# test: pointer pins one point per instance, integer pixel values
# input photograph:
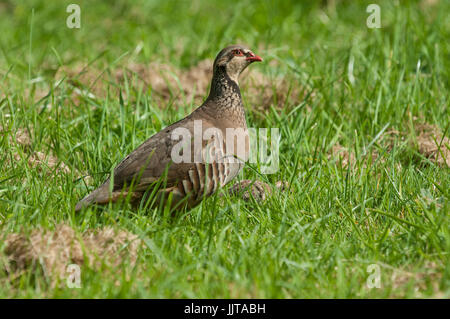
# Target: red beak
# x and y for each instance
(254, 58)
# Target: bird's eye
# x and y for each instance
(238, 52)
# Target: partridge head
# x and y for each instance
(234, 59)
(173, 167)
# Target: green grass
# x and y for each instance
(315, 241)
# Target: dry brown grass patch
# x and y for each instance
(171, 84)
(37, 160)
(167, 81)
(40, 160)
(428, 3)
(192, 84)
(342, 154)
(20, 136)
(432, 144)
(428, 141)
(402, 278)
(54, 250)
(85, 79)
(264, 91)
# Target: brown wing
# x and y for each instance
(147, 164)
(151, 160)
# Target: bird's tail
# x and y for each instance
(98, 196)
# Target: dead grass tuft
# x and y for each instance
(346, 157)
(54, 250)
(192, 84)
(21, 136)
(39, 161)
(401, 278)
(171, 84)
(263, 91)
(428, 3)
(432, 144)
(166, 81)
(342, 154)
(83, 76)
(428, 141)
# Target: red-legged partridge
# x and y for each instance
(203, 170)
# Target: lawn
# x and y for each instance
(364, 149)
